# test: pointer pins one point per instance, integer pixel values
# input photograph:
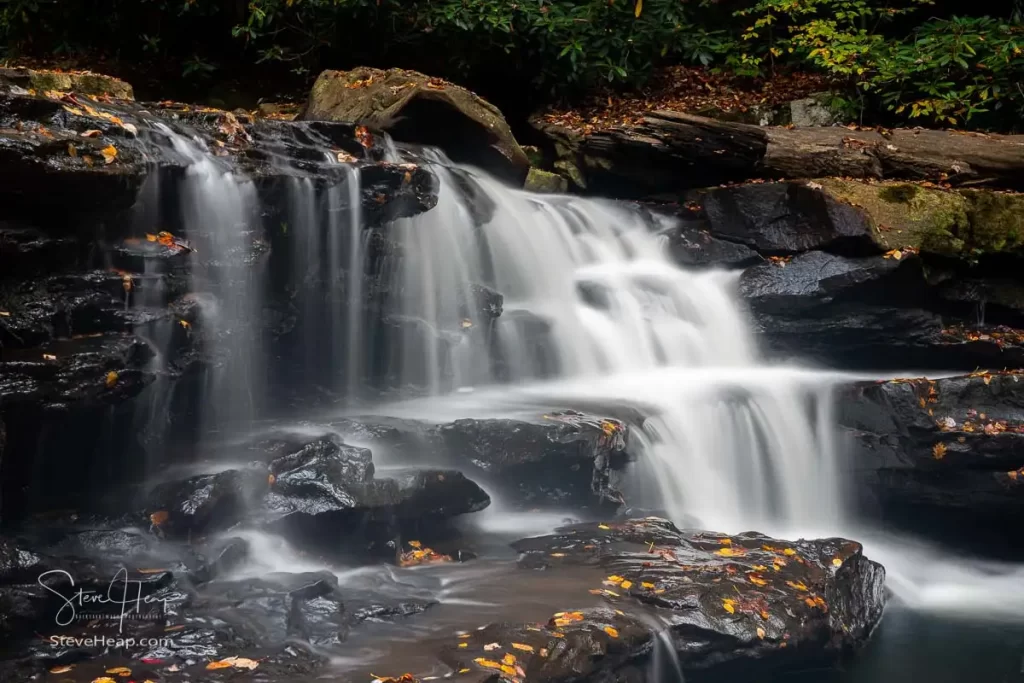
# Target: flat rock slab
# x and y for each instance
(729, 603)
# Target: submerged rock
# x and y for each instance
(742, 605)
(413, 107)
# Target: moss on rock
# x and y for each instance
(904, 215)
(82, 82)
(545, 182)
(997, 221)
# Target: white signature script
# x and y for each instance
(121, 591)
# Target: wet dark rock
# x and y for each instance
(17, 563)
(948, 450)
(561, 459)
(785, 218)
(415, 108)
(863, 313)
(323, 490)
(741, 605)
(692, 245)
(43, 146)
(206, 502)
(72, 372)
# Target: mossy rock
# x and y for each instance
(545, 182)
(413, 107)
(997, 221)
(906, 215)
(82, 82)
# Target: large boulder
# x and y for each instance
(740, 605)
(413, 107)
(949, 451)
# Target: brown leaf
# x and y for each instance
(159, 517)
(91, 133)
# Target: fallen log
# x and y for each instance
(671, 151)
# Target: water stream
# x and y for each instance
(594, 312)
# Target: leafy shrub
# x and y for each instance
(953, 70)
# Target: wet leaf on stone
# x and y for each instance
(488, 663)
(49, 356)
(62, 669)
(91, 133)
(626, 585)
(159, 517)
(72, 150)
(729, 605)
(604, 526)
(103, 679)
(109, 154)
(939, 451)
(757, 580)
(120, 671)
(523, 647)
(463, 644)
(612, 631)
(730, 552)
(837, 562)
(647, 585)
(111, 379)
(798, 585)
(760, 633)
(509, 659)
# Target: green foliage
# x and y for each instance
(962, 70)
(953, 71)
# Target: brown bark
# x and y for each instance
(672, 151)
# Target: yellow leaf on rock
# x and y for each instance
(510, 670)
(939, 451)
(103, 679)
(615, 579)
(612, 631)
(729, 552)
(757, 580)
(120, 671)
(72, 150)
(509, 659)
(521, 646)
(62, 669)
(729, 605)
(798, 585)
(603, 526)
(487, 663)
(625, 585)
(109, 154)
(725, 541)
(111, 379)
(760, 633)
(789, 551)
(647, 585)
(463, 644)
(222, 664)
(415, 544)
(836, 562)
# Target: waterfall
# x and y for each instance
(593, 305)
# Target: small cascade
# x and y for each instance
(219, 210)
(592, 304)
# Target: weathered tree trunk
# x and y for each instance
(671, 151)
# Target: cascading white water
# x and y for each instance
(221, 207)
(728, 442)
